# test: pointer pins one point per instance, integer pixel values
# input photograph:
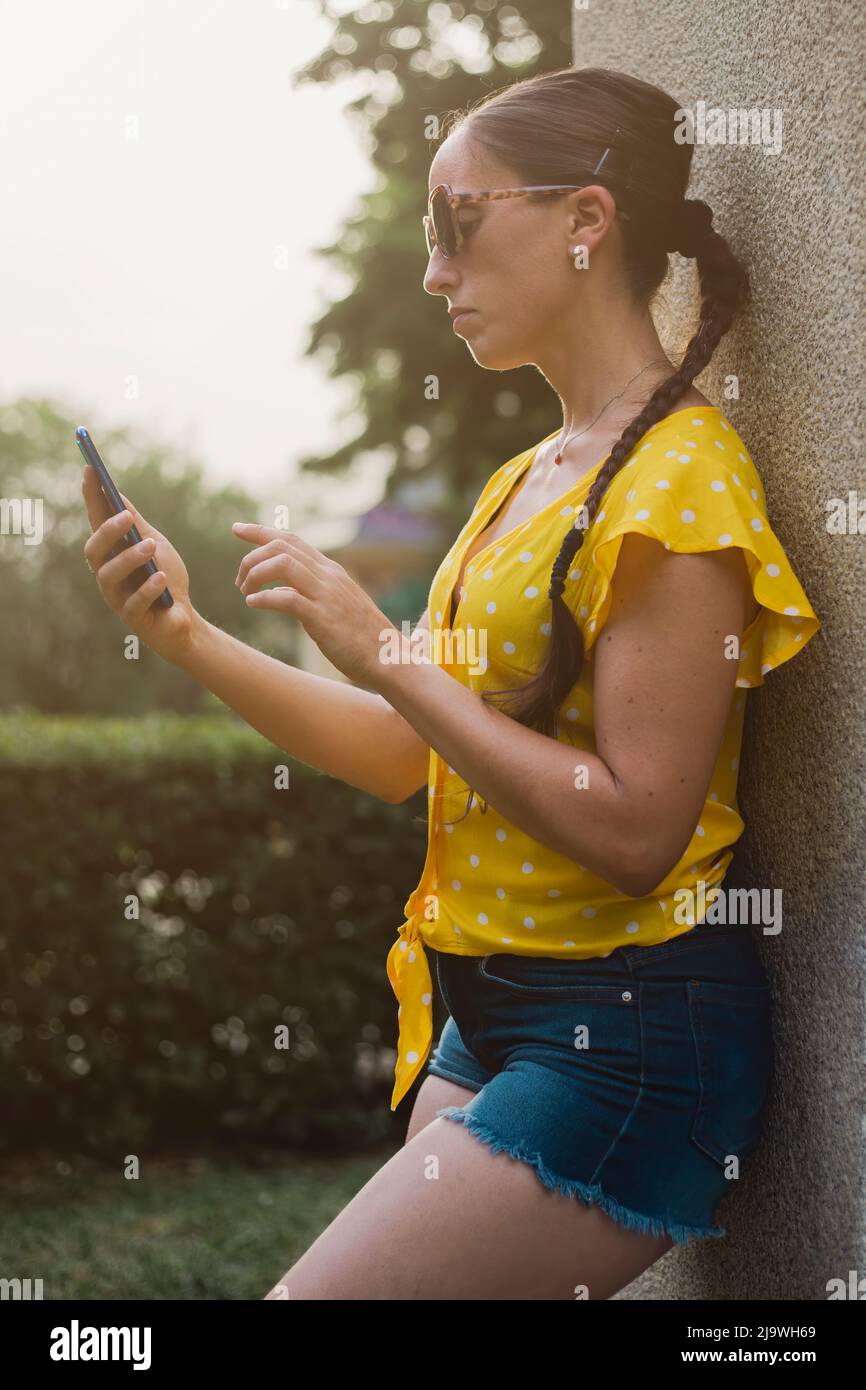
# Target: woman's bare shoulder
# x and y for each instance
(691, 397)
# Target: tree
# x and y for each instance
(386, 332)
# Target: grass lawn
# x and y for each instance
(208, 1227)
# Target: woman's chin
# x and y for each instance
(482, 344)
(495, 357)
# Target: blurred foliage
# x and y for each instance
(63, 651)
(158, 1029)
(422, 60)
(408, 599)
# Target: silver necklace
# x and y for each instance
(561, 449)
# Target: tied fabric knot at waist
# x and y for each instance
(409, 973)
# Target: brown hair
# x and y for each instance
(554, 128)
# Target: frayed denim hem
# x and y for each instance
(573, 1187)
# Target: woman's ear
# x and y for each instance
(591, 212)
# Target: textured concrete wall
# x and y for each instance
(796, 1217)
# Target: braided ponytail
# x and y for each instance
(548, 128)
(724, 286)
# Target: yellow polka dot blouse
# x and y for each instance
(487, 886)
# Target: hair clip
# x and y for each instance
(622, 161)
(601, 161)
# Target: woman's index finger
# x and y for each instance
(255, 534)
(252, 531)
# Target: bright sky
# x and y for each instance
(154, 160)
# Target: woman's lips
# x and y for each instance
(461, 318)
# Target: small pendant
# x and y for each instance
(558, 458)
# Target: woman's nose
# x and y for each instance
(438, 276)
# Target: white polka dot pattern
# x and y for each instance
(499, 889)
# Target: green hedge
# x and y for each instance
(259, 907)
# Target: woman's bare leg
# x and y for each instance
(433, 1094)
(445, 1218)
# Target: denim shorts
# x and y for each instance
(636, 1081)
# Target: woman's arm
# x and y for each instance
(663, 685)
(349, 733)
(345, 731)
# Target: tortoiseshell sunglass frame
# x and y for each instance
(455, 200)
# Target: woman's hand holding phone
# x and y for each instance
(168, 631)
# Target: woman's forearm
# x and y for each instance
(529, 779)
(344, 731)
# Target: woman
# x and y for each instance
(606, 1061)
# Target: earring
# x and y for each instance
(579, 255)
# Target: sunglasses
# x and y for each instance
(441, 225)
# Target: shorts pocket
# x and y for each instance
(733, 1040)
(561, 979)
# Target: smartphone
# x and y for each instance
(115, 502)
